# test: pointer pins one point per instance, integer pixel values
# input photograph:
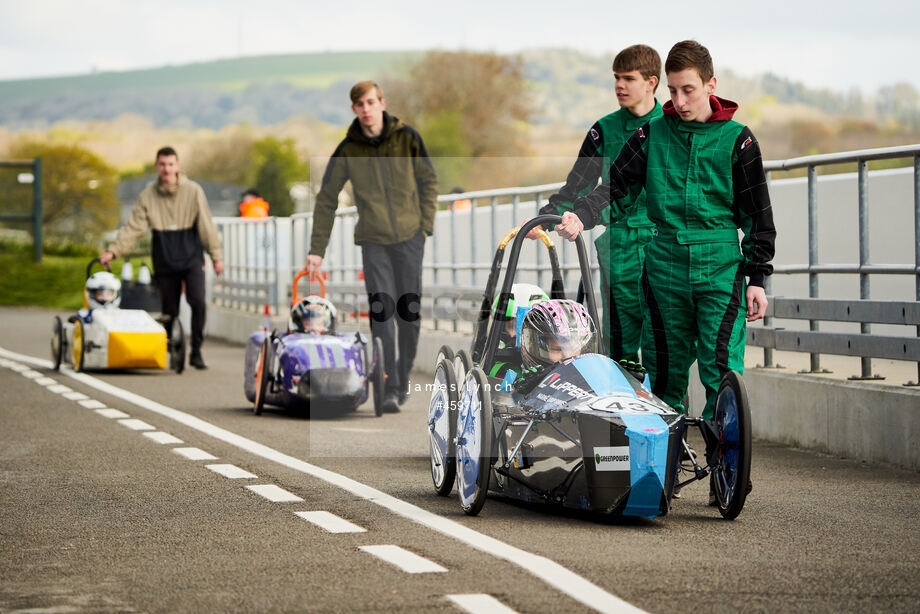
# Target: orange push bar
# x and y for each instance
(313, 277)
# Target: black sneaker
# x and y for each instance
(391, 403)
(197, 361)
(403, 395)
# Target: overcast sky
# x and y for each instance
(828, 44)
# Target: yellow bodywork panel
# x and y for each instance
(137, 349)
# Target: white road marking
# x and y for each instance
(273, 493)
(45, 381)
(231, 471)
(75, 396)
(92, 404)
(60, 388)
(409, 562)
(480, 604)
(112, 413)
(547, 570)
(31, 373)
(137, 425)
(19, 368)
(194, 454)
(331, 522)
(161, 437)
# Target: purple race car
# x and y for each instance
(310, 364)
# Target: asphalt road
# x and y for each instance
(96, 516)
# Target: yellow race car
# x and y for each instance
(104, 336)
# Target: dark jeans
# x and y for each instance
(170, 285)
(393, 279)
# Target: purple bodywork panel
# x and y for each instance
(309, 368)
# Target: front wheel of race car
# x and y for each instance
(79, 345)
(474, 442)
(57, 343)
(262, 376)
(442, 428)
(444, 352)
(462, 364)
(379, 376)
(176, 346)
(731, 469)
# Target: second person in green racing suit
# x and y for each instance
(620, 249)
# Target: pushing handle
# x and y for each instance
(313, 277)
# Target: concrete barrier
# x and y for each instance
(860, 420)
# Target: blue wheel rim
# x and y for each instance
(469, 439)
(726, 472)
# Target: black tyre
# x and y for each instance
(731, 469)
(474, 442)
(176, 346)
(379, 372)
(79, 345)
(462, 365)
(442, 428)
(57, 343)
(444, 352)
(262, 377)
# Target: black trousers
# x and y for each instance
(393, 279)
(170, 285)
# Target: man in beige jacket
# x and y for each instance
(175, 210)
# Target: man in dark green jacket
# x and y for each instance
(704, 180)
(621, 248)
(395, 192)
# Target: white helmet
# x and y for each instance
(312, 313)
(103, 291)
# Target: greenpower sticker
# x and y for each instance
(614, 458)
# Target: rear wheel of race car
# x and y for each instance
(79, 345)
(731, 470)
(442, 428)
(57, 343)
(474, 441)
(176, 346)
(262, 376)
(379, 376)
(444, 352)
(462, 365)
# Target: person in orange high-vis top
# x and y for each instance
(253, 205)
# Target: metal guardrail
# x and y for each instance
(471, 223)
(863, 268)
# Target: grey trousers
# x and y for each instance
(393, 279)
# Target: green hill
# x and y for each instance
(569, 88)
(317, 70)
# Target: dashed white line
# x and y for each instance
(60, 388)
(194, 454)
(274, 493)
(137, 425)
(480, 604)
(92, 404)
(75, 396)
(161, 437)
(231, 471)
(45, 381)
(547, 570)
(18, 367)
(31, 373)
(331, 522)
(112, 413)
(409, 562)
